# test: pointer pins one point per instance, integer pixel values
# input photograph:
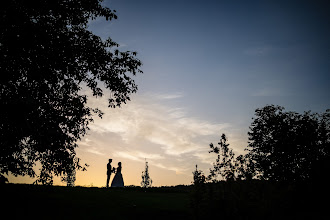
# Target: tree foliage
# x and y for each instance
(47, 55)
(283, 146)
(70, 176)
(288, 146)
(227, 165)
(199, 177)
(146, 180)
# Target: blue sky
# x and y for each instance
(229, 55)
(207, 66)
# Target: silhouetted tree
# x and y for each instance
(198, 195)
(225, 164)
(199, 177)
(47, 57)
(229, 166)
(70, 177)
(289, 146)
(146, 180)
(245, 168)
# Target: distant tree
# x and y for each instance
(198, 176)
(47, 55)
(288, 146)
(146, 180)
(227, 165)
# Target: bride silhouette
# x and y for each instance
(118, 179)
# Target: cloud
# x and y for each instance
(178, 170)
(127, 155)
(152, 121)
(137, 155)
(206, 158)
(94, 151)
(166, 96)
(169, 128)
(176, 112)
(152, 158)
(89, 146)
(152, 127)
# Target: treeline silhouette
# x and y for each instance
(283, 175)
(283, 146)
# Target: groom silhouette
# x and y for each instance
(109, 171)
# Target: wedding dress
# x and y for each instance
(118, 179)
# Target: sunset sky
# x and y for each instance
(207, 66)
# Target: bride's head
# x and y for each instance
(119, 164)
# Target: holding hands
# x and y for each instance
(117, 181)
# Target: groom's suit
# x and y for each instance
(109, 171)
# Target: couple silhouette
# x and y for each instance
(117, 181)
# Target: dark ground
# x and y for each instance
(58, 202)
(224, 200)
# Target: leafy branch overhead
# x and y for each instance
(47, 56)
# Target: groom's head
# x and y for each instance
(110, 160)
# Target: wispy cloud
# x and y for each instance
(178, 170)
(176, 112)
(162, 96)
(89, 146)
(169, 128)
(152, 128)
(138, 155)
(94, 151)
